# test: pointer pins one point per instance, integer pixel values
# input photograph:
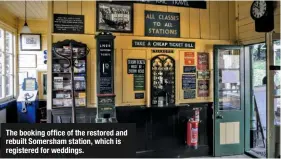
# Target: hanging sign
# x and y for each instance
(139, 95)
(136, 66)
(203, 74)
(67, 23)
(163, 44)
(139, 82)
(189, 69)
(162, 51)
(179, 3)
(202, 61)
(203, 88)
(188, 81)
(105, 53)
(189, 94)
(162, 24)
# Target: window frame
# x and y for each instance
(12, 68)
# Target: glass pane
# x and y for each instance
(8, 42)
(1, 64)
(277, 48)
(1, 40)
(1, 86)
(229, 79)
(9, 64)
(9, 85)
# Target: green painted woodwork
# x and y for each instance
(228, 115)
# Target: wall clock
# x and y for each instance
(258, 9)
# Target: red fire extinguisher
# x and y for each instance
(192, 133)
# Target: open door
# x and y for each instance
(228, 100)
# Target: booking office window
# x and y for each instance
(7, 55)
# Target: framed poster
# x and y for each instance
(188, 81)
(30, 42)
(203, 88)
(189, 94)
(203, 74)
(202, 61)
(115, 17)
(27, 61)
(189, 58)
(139, 82)
(189, 69)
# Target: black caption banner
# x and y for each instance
(68, 140)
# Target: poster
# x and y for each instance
(189, 94)
(202, 61)
(189, 58)
(203, 74)
(139, 82)
(203, 88)
(188, 81)
(189, 69)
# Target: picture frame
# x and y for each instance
(30, 42)
(27, 60)
(108, 22)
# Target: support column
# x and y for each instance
(270, 128)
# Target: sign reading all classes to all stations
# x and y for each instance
(136, 66)
(162, 24)
(163, 44)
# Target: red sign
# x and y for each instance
(189, 61)
(189, 55)
(202, 61)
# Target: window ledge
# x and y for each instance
(6, 103)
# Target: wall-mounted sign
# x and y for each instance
(178, 3)
(163, 44)
(139, 95)
(189, 69)
(188, 81)
(67, 23)
(202, 61)
(189, 58)
(162, 24)
(139, 82)
(203, 88)
(203, 74)
(136, 66)
(189, 94)
(105, 53)
(162, 51)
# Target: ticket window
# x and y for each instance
(162, 81)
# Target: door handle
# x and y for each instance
(219, 117)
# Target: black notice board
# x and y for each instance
(67, 23)
(179, 3)
(163, 44)
(162, 24)
(136, 66)
(105, 53)
(139, 95)
(188, 81)
(189, 94)
(189, 69)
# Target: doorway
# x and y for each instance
(228, 100)
(162, 81)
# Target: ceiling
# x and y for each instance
(36, 9)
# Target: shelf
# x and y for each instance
(61, 72)
(61, 89)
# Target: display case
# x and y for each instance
(69, 63)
